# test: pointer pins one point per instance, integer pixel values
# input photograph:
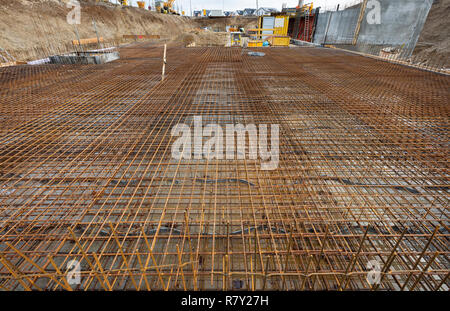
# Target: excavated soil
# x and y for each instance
(34, 29)
(434, 41)
(31, 29)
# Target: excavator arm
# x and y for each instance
(169, 6)
(170, 3)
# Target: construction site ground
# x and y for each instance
(87, 173)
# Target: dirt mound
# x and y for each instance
(32, 29)
(434, 42)
(204, 38)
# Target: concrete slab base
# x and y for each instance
(85, 58)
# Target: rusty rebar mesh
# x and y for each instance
(87, 174)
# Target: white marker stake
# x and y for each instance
(164, 63)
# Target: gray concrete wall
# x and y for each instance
(341, 26)
(321, 27)
(401, 24)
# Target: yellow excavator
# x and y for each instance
(165, 7)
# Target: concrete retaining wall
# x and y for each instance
(337, 27)
(401, 24)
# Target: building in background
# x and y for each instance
(265, 11)
(289, 11)
(249, 12)
(215, 13)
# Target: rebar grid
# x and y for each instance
(87, 174)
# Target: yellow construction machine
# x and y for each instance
(305, 8)
(165, 7)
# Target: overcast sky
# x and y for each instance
(232, 5)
